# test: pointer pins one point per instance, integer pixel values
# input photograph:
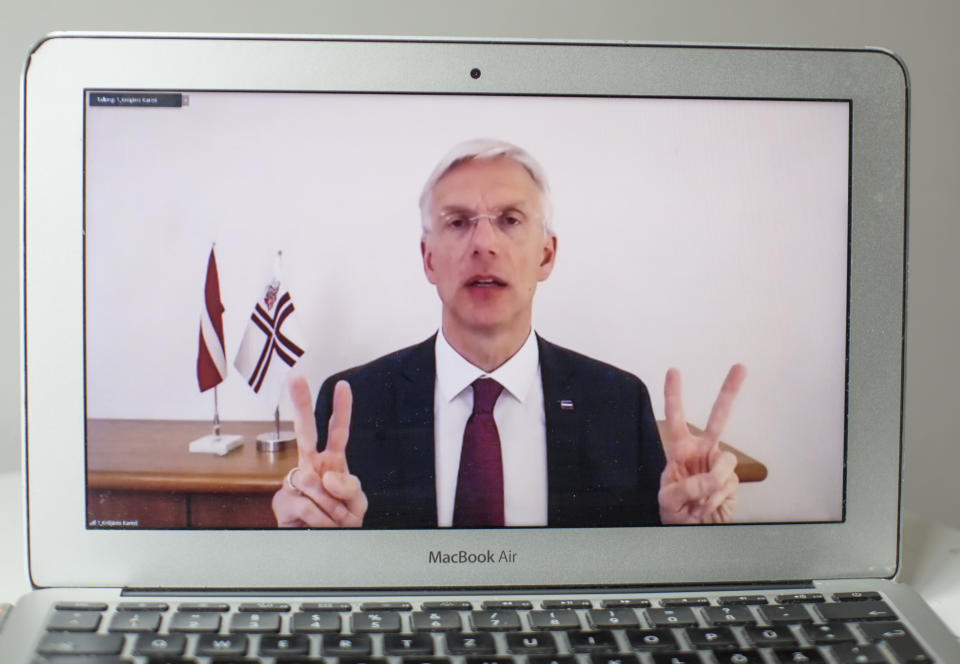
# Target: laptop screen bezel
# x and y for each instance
(61, 68)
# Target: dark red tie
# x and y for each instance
(479, 500)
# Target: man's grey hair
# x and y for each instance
(486, 148)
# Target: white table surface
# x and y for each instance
(931, 555)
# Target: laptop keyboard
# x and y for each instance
(846, 628)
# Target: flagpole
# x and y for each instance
(216, 413)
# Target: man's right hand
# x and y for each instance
(323, 493)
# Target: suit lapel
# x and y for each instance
(564, 421)
(413, 396)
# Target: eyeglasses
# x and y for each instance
(462, 224)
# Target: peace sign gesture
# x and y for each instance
(320, 492)
(698, 484)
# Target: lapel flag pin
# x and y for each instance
(566, 404)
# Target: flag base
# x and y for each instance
(275, 441)
(214, 444)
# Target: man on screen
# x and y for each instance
(486, 424)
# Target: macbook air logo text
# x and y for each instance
(470, 557)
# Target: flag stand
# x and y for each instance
(215, 443)
(276, 440)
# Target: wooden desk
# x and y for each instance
(141, 471)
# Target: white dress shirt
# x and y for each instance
(521, 424)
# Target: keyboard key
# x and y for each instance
(310, 607)
(609, 618)
(222, 645)
(320, 621)
(447, 605)
(215, 607)
(375, 621)
(739, 657)
(712, 638)
(559, 619)
(354, 660)
(729, 615)
(81, 606)
(195, 622)
(276, 646)
(824, 635)
(134, 621)
(541, 643)
(798, 656)
(652, 639)
(598, 658)
(800, 598)
(680, 617)
(490, 660)
(856, 611)
(386, 606)
(898, 639)
(778, 614)
(880, 631)
(80, 644)
(143, 606)
(676, 658)
(907, 649)
(671, 602)
(566, 604)
(426, 660)
(346, 646)
(73, 621)
(495, 621)
(153, 645)
(594, 641)
(265, 607)
(771, 637)
(732, 600)
(255, 623)
(408, 644)
(435, 621)
(95, 659)
(470, 644)
(518, 604)
(551, 659)
(857, 596)
(626, 603)
(849, 653)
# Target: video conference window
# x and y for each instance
(420, 311)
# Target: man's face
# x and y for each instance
(485, 248)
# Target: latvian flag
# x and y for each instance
(272, 342)
(211, 358)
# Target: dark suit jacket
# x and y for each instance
(604, 457)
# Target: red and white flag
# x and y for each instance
(211, 357)
(272, 342)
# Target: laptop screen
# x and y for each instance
(238, 242)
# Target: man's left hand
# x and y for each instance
(698, 484)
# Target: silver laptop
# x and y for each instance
(422, 351)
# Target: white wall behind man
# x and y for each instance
(922, 33)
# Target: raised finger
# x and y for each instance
(724, 403)
(304, 423)
(677, 429)
(338, 427)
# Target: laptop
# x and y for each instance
(192, 202)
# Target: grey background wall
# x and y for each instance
(923, 33)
